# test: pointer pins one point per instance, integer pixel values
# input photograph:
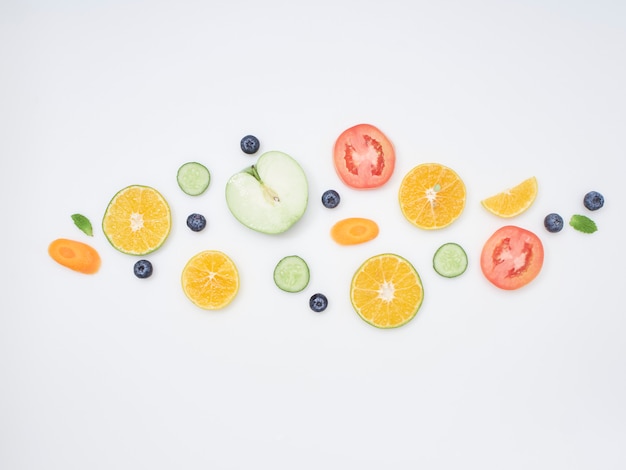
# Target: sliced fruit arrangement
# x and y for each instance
(512, 201)
(386, 291)
(210, 280)
(511, 257)
(354, 230)
(291, 274)
(432, 196)
(271, 195)
(75, 255)
(450, 260)
(137, 220)
(193, 178)
(364, 157)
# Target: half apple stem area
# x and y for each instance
(268, 193)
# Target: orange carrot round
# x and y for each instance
(75, 255)
(354, 230)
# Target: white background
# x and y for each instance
(109, 371)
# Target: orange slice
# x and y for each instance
(386, 291)
(210, 280)
(137, 220)
(513, 201)
(432, 196)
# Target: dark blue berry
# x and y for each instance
(593, 200)
(318, 302)
(250, 144)
(553, 223)
(143, 269)
(330, 199)
(196, 222)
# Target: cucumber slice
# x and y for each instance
(291, 274)
(193, 178)
(450, 260)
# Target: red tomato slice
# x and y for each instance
(364, 157)
(512, 257)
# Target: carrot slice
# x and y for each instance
(354, 230)
(75, 255)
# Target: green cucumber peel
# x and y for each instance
(450, 260)
(291, 274)
(193, 178)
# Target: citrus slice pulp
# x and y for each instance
(137, 220)
(431, 196)
(386, 291)
(210, 280)
(513, 201)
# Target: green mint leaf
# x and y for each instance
(582, 223)
(83, 223)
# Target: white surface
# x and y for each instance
(109, 371)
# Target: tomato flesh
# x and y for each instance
(364, 157)
(511, 257)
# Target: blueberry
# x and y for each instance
(143, 269)
(318, 302)
(593, 200)
(330, 198)
(553, 223)
(196, 222)
(250, 144)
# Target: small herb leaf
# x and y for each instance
(583, 223)
(83, 223)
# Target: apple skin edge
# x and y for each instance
(269, 196)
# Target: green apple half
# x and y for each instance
(271, 195)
